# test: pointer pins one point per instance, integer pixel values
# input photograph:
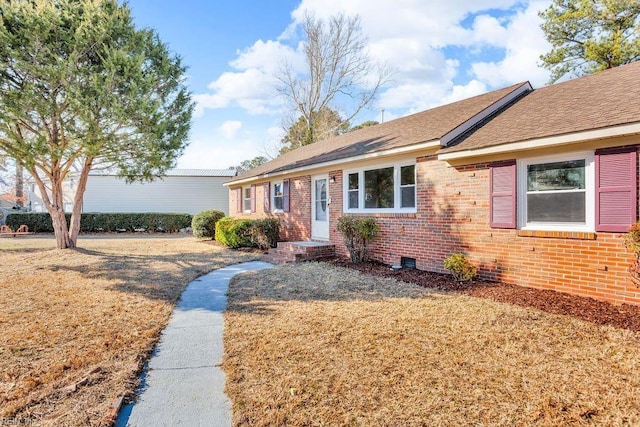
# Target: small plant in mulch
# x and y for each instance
(357, 233)
(460, 267)
(632, 242)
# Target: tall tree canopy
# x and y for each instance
(246, 165)
(363, 125)
(324, 124)
(81, 87)
(338, 69)
(587, 36)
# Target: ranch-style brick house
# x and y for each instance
(536, 187)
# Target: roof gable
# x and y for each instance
(431, 125)
(602, 100)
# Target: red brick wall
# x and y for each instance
(453, 216)
(295, 224)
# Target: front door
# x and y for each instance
(320, 207)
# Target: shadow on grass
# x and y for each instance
(154, 276)
(260, 292)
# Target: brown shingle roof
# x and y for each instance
(601, 100)
(430, 125)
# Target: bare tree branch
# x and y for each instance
(338, 66)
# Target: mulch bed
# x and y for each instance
(599, 312)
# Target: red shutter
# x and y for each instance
(238, 200)
(285, 195)
(267, 197)
(502, 206)
(616, 189)
(253, 197)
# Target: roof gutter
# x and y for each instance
(551, 141)
(386, 153)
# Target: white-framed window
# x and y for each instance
(277, 197)
(384, 188)
(246, 199)
(557, 192)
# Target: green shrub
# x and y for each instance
(248, 233)
(37, 222)
(357, 233)
(264, 233)
(105, 222)
(460, 267)
(204, 223)
(233, 232)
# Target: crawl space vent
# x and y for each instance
(407, 262)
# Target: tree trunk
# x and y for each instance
(54, 203)
(19, 185)
(77, 201)
(60, 229)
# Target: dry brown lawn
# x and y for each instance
(315, 344)
(75, 325)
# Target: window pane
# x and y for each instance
(556, 207)
(277, 202)
(408, 175)
(321, 189)
(247, 204)
(556, 176)
(408, 196)
(378, 188)
(353, 199)
(247, 193)
(277, 190)
(353, 181)
(321, 210)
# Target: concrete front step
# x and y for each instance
(289, 252)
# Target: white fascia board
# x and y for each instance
(482, 115)
(551, 141)
(380, 154)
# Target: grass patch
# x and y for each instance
(316, 344)
(77, 324)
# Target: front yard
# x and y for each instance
(323, 345)
(76, 324)
(304, 344)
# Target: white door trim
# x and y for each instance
(319, 228)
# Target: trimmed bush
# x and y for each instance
(105, 222)
(460, 267)
(233, 232)
(264, 233)
(204, 223)
(357, 233)
(248, 233)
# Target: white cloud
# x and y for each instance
(414, 37)
(488, 30)
(253, 85)
(434, 22)
(252, 89)
(230, 128)
(525, 43)
(211, 153)
(442, 51)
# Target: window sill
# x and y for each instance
(575, 235)
(374, 212)
(384, 214)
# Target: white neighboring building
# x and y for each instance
(179, 191)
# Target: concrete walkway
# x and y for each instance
(184, 384)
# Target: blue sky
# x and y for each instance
(441, 51)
